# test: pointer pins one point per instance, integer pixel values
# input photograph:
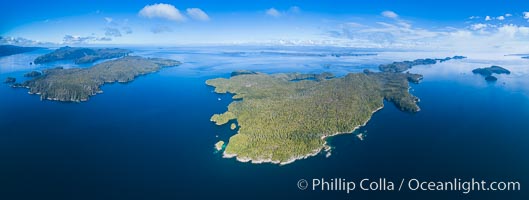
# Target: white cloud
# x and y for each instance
(501, 18)
(197, 14)
(389, 14)
(478, 26)
(474, 17)
(273, 12)
(526, 15)
(109, 19)
(162, 11)
(513, 31)
(508, 15)
(488, 18)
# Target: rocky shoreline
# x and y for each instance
(325, 147)
(79, 84)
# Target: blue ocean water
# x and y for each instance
(152, 138)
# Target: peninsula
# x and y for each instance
(405, 65)
(81, 55)
(78, 84)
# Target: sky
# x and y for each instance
(400, 24)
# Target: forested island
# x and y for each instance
(488, 72)
(290, 76)
(78, 84)
(219, 145)
(405, 65)
(10, 80)
(7, 50)
(81, 55)
(285, 117)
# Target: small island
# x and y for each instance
(7, 50)
(233, 126)
(32, 74)
(81, 55)
(451, 58)
(491, 78)
(10, 80)
(78, 84)
(361, 136)
(219, 145)
(489, 71)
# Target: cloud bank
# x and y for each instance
(70, 39)
(474, 37)
(20, 41)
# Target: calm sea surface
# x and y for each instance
(152, 138)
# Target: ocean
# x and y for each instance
(152, 138)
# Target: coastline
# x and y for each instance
(79, 91)
(324, 147)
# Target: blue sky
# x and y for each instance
(496, 24)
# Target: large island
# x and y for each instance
(78, 84)
(7, 50)
(81, 55)
(285, 117)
